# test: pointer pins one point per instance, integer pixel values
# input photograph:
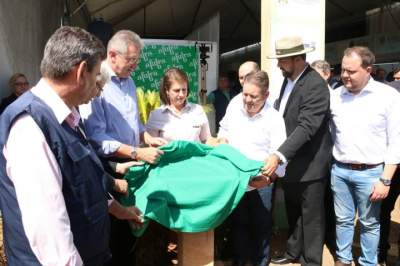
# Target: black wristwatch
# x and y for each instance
(385, 181)
(134, 153)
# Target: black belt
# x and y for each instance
(357, 166)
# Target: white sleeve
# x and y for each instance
(278, 136)
(224, 124)
(152, 127)
(205, 132)
(228, 118)
(33, 169)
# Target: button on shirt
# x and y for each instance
(112, 118)
(190, 124)
(256, 137)
(366, 126)
(44, 215)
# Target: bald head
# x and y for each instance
(246, 68)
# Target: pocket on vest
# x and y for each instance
(81, 161)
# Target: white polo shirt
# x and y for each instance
(190, 124)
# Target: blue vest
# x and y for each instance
(82, 187)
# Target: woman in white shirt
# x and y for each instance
(175, 119)
(178, 119)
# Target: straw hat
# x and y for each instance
(290, 46)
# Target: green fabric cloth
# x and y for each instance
(193, 188)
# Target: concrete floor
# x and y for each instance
(278, 243)
(327, 257)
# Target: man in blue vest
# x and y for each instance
(52, 185)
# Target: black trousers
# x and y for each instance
(122, 243)
(385, 219)
(252, 228)
(306, 218)
(330, 220)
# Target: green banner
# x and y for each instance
(157, 58)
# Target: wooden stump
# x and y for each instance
(196, 249)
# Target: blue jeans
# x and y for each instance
(252, 228)
(351, 192)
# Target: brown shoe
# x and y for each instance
(339, 263)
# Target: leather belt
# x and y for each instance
(357, 166)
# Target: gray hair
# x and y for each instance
(122, 39)
(258, 78)
(105, 75)
(322, 65)
(68, 47)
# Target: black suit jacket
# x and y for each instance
(308, 145)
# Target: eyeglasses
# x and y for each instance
(133, 60)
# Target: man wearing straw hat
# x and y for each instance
(304, 104)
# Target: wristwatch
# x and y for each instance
(134, 153)
(385, 181)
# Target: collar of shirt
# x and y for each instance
(73, 118)
(111, 74)
(369, 87)
(261, 113)
(51, 98)
(188, 106)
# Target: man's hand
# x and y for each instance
(222, 141)
(271, 163)
(121, 186)
(150, 155)
(379, 192)
(152, 141)
(131, 213)
(261, 181)
(211, 141)
(156, 141)
(122, 168)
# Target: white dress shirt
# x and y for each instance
(366, 126)
(256, 137)
(288, 90)
(190, 124)
(37, 178)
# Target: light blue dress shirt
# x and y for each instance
(112, 118)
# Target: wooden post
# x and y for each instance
(196, 249)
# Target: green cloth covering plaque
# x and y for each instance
(193, 188)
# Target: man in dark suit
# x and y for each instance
(304, 104)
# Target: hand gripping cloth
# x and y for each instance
(193, 188)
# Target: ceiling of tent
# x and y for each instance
(240, 19)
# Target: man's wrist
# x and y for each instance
(281, 157)
(385, 181)
(134, 153)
